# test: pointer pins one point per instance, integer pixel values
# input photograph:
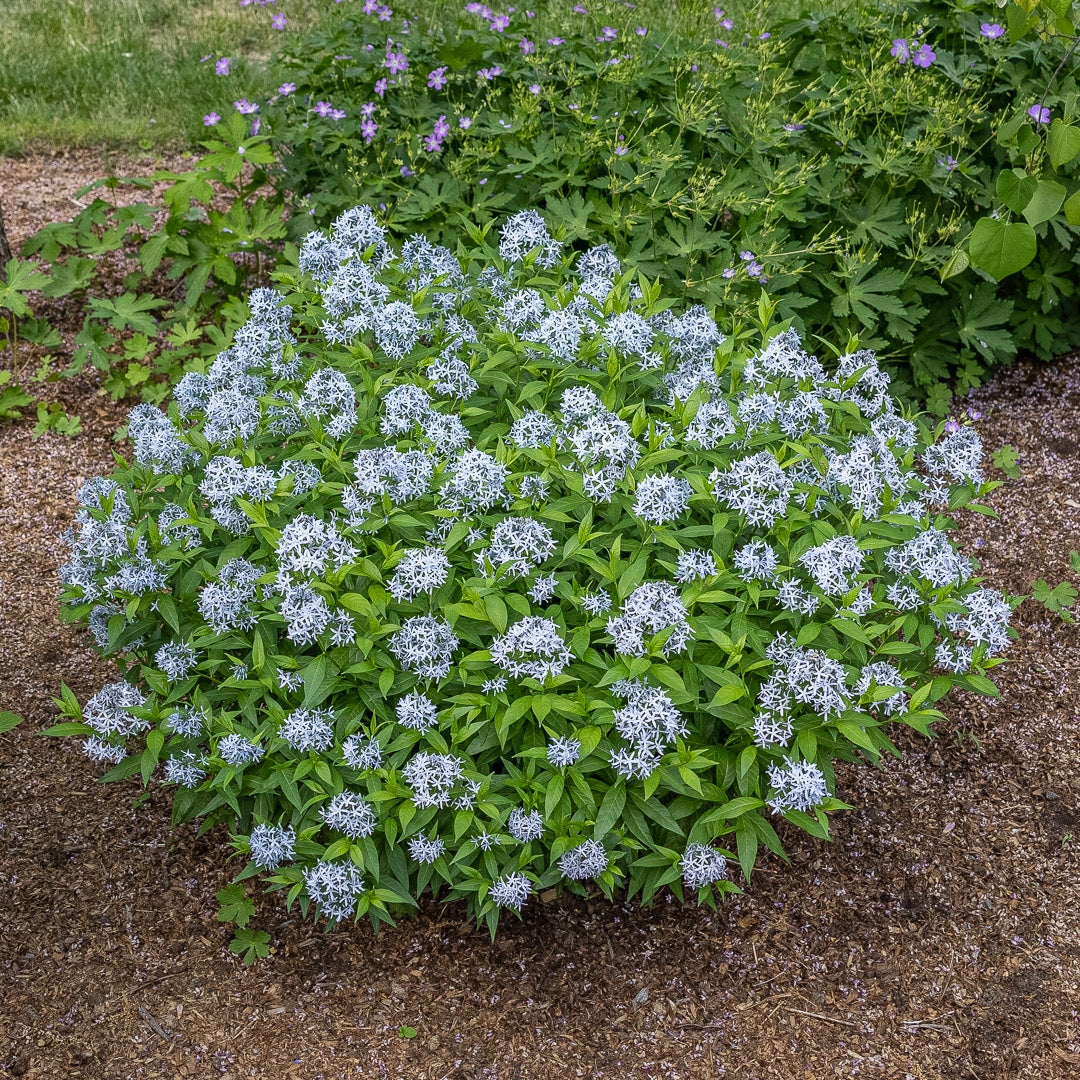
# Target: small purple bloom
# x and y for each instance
(499, 23)
(728, 272)
(406, 171)
(222, 66)
(367, 110)
(489, 74)
(527, 47)
(210, 119)
(323, 108)
(609, 33)
(278, 21)
(483, 181)
(793, 127)
(924, 56)
(465, 123)
(1039, 113)
(641, 31)
(395, 63)
(287, 88)
(991, 30)
(900, 50)
(535, 88)
(974, 414)
(368, 127)
(437, 79)
(580, 9)
(948, 162)
(952, 426)
(380, 87)
(245, 107)
(556, 40)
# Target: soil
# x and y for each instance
(937, 936)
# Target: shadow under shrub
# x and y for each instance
(489, 575)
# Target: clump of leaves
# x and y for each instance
(480, 576)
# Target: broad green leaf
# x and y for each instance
(1072, 208)
(1045, 203)
(1001, 248)
(9, 720)
(1062, 142)
(1015, 189)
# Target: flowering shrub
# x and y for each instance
(488, 575)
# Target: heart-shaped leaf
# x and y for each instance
(1045, 203)
(1015, 189)
(1063, 143)
(1001, 249)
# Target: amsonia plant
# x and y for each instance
(487, 573)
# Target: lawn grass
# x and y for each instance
(126, 73)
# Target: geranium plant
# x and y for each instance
(489, 572)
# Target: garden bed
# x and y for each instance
(936, 936)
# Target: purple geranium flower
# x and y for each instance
(499, 23)
(924, 56)
(222, 66)
(527, 47)
(1039, 113)
(395, 63)
(991, 30)
(278, 20)
(244, 106)
(380, 87)
(556, 40)
(437, 79)
(900, 50)
(609, 33)
(465, 123)
(210, 119)
(286, 88)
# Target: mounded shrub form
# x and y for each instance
(494, 572)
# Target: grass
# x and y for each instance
(126, 74)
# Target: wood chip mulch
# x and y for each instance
(937, 936)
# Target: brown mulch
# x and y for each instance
(937, 936)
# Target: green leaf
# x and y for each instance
(1015, 189)
(1062, 142)
(69, 729)
(406, 1032)
(955, 264)
(318, 678)
(1001, 249)
(9, 720)
(1045, 203)
(609, 811)
(234, 905)
(251, 944)
(1072, 208)
(1057, 598)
